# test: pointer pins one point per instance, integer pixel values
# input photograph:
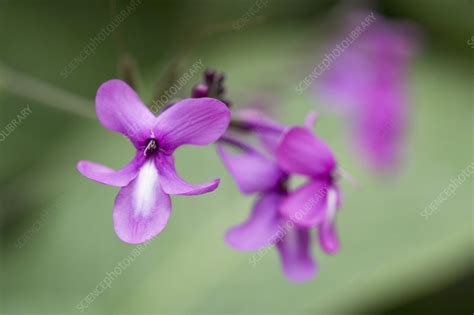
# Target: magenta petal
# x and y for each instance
(197, 121)
(252, 171)
(301, 152)
(108, 176)
(370, 79)
(307, 205)
(141, 209)
(328, 238)
(120, 109)
(344, 90)
(381, 125)
(261, 229)
(172, 184)
(269, 140)
(295, 255)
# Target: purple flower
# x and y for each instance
(143, 205)
(367, 81)
(315, 203)
(281, 218)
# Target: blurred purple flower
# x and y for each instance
(368, 82)
(315, 203)
(273, 220)
(143, 205)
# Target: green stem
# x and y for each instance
(25, 86)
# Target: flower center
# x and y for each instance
(151, 147)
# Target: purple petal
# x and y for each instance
(301, 152)
(342, 89)
(295, 255)
(380, 126)
(307, 205)
(108, 176)
(252, 171)
(197, 121)
(141, 209)
(269, 140)
(120, 109)
(172, 184)
(327, 231)
(261, 229)
(370, 80)
(379, 54)
(328, 238)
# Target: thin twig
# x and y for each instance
(26, 86)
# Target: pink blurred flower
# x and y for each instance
(315, 203)
(280, 217)
(368, 82)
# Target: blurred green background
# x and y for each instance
(392, 260)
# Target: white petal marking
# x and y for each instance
(331, 204)
(145, 192)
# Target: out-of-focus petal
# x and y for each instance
(120, 109)
(344, 90)
(108, 176)
(327, 233)
(141, 209)
(380, 126)
(252, 171)
(370, 78)
(311, 120)
(328, 238)
(307, 205)
(261, 229)
(301, 152)
(382, 52)
(295, 255)
(173, 184)
(269, 140)
(196, 121)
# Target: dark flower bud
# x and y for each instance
(209, 76)
(220, 90)
(220, 79)
(200, 90)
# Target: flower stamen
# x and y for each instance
(151, 147)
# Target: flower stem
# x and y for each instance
(26, 86)
(244, 126)
(230, 140)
